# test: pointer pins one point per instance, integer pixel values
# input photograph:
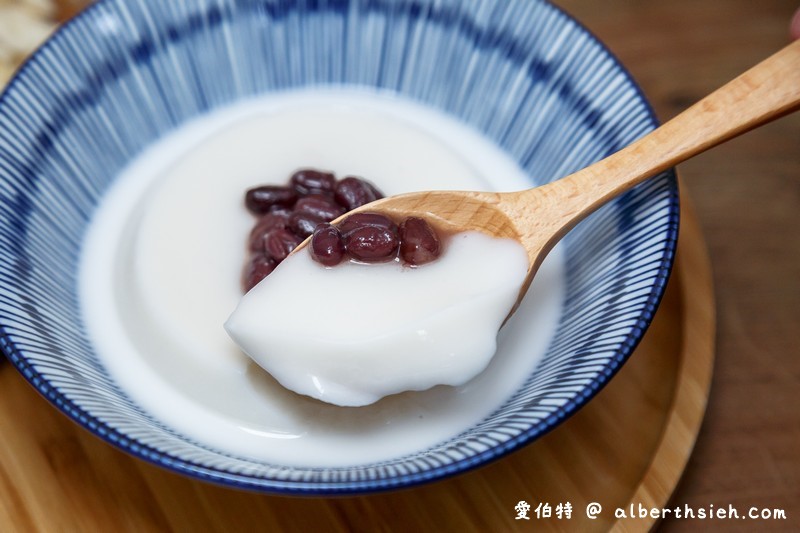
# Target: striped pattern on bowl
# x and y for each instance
(126, 72)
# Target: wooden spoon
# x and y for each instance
(539, 217)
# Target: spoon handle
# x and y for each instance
(767, 91)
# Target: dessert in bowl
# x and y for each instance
(127, 143)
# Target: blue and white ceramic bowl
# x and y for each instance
(520, 71)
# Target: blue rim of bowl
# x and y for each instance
(305, 488)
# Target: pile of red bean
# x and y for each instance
(375, 238)
(288, 214)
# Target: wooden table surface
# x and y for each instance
(747, 199)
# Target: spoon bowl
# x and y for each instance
(539, 217)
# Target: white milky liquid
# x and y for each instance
(162, 262)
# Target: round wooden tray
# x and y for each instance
(629, 445)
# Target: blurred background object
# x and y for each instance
(24, 24)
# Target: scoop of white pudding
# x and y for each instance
(354, 333)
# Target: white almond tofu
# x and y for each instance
(354, 333)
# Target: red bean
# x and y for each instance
(279, 243)
(258, 268)
(352, 192)
(372, 244)
(308, 181)
(327, 245)
(280, 211)
(259, 200)
(375, 191)
(303, 224)
(367, 219)
(319, 206)
(264, 225)
(419, 243)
